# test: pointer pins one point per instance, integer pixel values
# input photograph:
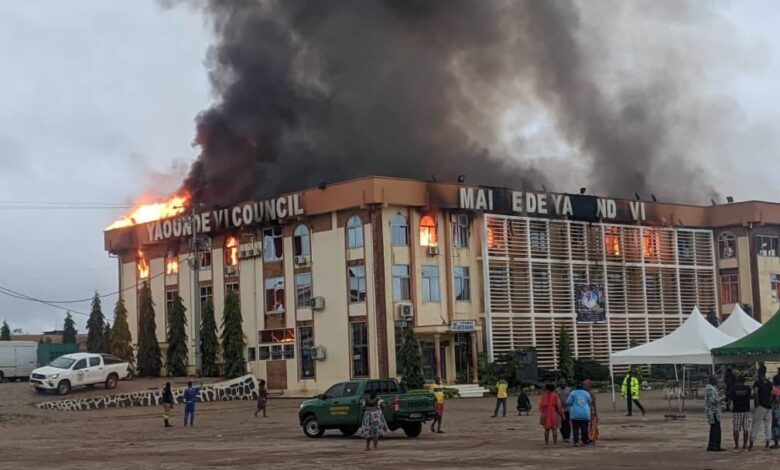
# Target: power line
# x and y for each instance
(20, 296)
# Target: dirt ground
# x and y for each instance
(227, 435)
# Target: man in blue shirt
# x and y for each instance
(579, 402)
(190, 397)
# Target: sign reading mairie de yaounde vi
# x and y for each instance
(581, 207)
(242, 215)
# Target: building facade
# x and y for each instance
(328, 278)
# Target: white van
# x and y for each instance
(17, 359)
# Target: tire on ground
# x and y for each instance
(63, 388)
(412, 429)
(312, 428)
(111, 381)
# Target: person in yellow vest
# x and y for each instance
(501, 394)
(630, 390)
(437, 389)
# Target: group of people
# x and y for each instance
(765, 395)
(572, 412)
(190, 397)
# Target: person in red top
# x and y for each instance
(551, 411)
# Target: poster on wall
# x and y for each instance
(590, 303)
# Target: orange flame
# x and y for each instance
(143, 266)
(171, 266)
(143, 213)
(231, 251)
(613, 244)
(428, 231)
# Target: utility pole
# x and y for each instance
(196, 292)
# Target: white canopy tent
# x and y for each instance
(691, 343)
(739, 324)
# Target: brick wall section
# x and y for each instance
(380, 297)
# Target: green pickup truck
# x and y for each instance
(340, 408)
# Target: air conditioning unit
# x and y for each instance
(248, 253)
(317, 303)
(301, 260)
(318, 353)
(433, 250)
(405, 312)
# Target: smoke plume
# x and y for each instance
(322, 91)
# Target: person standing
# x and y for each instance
(167, 403)
(262, 398)
(712, 401)
(762, 414)
(437, 389)
(593, 431)
(501, 396)
(741, 417)
(563, 396)
(730, 382)
(550, 413)
(190, 397)
(374, 425)
(776, 410)
(630, 390)
(579, 403)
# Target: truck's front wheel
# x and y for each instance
(412, 429)
(312, 428)
(111, 381)
(63, 388)
(348, 430)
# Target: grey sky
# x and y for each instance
(97, 101)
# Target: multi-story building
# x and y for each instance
(329, 277)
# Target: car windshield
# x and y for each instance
(62, 363)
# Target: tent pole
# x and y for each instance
(612, 379)
(683, 390)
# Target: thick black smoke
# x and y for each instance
(311, 91)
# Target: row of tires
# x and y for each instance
(313, 429)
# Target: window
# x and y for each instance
(350, 389)
(306, 361)
(204, 253)
(538, 238)
(428, 231)
(277, 352)
(108, 359)
(274, 295)
(460, 231)
(401, 282)
(774, 281)
(171, 265)
(251, 354)
(232, 287)
(272, 244)
(766, 245)
(729, 286)
(354, 232)
(206, 296)
(94, 361)
(170, 298)
(231, 251)
(82, 364)
(727, 246)
(612, 241)
(650, 243)
(303, 290)
(277, 344)
(430, 284)
(359, 349)
(399, 231)
(462, 283)
(301, 241)
(357, 284)
(336, 391)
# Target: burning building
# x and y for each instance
(330, 277)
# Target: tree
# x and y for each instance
(69, 330)
(5, 332)
(233, 337)
(565, 357)
(749, 310)
(107, 338)
(410, 357)
(712, 317)
(96, 326)
(149, 357)
(176, 357)
(120, 341)
(209, 346)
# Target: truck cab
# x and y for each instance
(340, 407)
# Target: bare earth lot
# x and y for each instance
(227, 435)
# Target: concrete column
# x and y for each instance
(437, 353)
(474, 358)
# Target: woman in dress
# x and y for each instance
(262, 398)
(551, 412)
(374, 424)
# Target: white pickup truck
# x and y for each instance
(79, 369)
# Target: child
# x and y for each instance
(551, 411)
(262, 398)
(523, 403)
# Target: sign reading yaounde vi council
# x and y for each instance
(535, 204)
(463, 326)
(242, 215)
